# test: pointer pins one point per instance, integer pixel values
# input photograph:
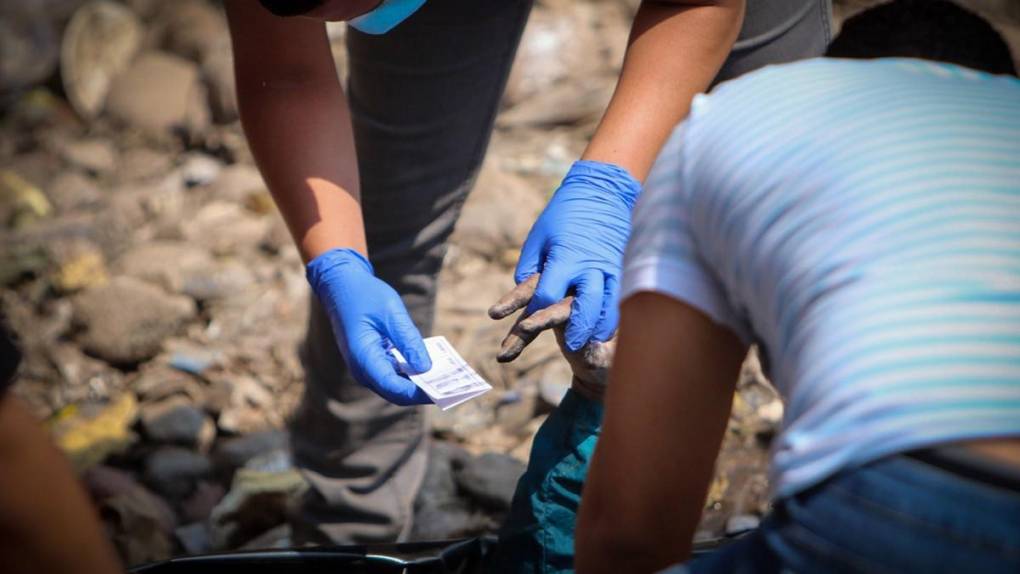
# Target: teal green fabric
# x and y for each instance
(538, 535)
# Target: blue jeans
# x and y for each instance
(895, 515)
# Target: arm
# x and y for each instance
(676, 48)
(298, 126)
(295, 116)
(47, 524)
(666, 411)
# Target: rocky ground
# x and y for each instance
(161, 303)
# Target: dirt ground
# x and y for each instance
(161, 303)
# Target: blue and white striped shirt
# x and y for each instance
(861, 221)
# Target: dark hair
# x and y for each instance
(936, 30)
(291, 7)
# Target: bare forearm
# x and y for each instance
(46, 521)
(298, 126)
(666, 409)
(676, 49)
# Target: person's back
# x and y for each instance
(860, 221)
(866, 229)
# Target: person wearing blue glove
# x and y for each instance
(370, 182)
(578, 242)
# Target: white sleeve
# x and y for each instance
(662, 255)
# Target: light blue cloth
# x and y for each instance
(386, 16)
(861, 221)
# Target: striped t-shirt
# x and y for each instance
(860, 220)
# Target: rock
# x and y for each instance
(193, 28)
(440, 513)
(244, 405)
(160, 93)
(21, 202)
(79, 265)
(95, 156)
(134, 526)
(105, 482)
(218, 73)
(740, 523)
(200, 169)
(226, 228)
(256, 502)
(141, 163)
(564, 104)
(99, 43)
(29, 46)
(21, 262)
(464, 420)
(84, 378)
(71, 191)
(169, 264)
(126, 321)
(195, 361)
(491, 479)
(176, 421)
(194, 538)
(89, 433)
(498, 214)
(233, 453)
(556, 45)
(277, 537)
(200, 504)
(457, 520)
(220, 282)
(237, 182)
(554, 383)
(157, 382)
(174, 472)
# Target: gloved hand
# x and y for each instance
(577, 245)
(367, 317)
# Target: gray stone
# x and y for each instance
(200, 169)
(218, 73)
(174, 472)
(177, 421)
(237, 182)
(200, 504)
(142, 163)
(71, 191)
(92, 155)
(193, 28)
(126, 321)
(195, 538)
(99, 43)
(160, 93)
(169, 264)
(491, 479)
(499, 213)
(233, 453)
(105, 482)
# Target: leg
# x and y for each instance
(423, 99)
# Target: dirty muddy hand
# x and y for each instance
(590, 364)
(577, 245)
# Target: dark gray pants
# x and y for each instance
(423, 99)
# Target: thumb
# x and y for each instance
(405, 336)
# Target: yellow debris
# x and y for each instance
(88, 440)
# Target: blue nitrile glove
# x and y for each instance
(367, 316)
(577, 244)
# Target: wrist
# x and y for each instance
(335, 264)
(605, 177)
